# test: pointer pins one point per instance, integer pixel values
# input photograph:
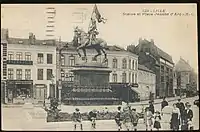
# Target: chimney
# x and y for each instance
(31, 38)
(140, 40)
(152, 41)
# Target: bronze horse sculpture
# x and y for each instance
(80, 38)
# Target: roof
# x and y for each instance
(37, 41)
(164, 55)
(182, 65)
(160, 52)
(115, 48)
(144, 68)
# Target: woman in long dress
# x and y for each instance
(175, 119)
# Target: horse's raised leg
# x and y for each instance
(99, 53)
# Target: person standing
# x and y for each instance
(77, 119)
(93, 117)
(175, 119)
(118, 118)
(157, 120)
(164, 103)
(188, 115)
(181, 107)
(151, 107)
(135, 118)
(148, 120)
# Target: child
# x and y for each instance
(93, 117)
(77, 118)
(135, 118)
(157, 120)
(118, 118)
(148, 120)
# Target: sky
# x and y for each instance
(176, 35)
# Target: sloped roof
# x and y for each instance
(160, 52)
(182, 65)
(37, 41)
(164, 55)
(144, 68)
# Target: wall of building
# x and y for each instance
(34, 50)
(118, 55)
(147, 83)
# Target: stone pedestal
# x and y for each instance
(91, 85)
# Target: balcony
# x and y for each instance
(19, 62)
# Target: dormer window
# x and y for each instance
(20, 42)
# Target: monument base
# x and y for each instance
(91, 86)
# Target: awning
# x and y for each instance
(136, 90)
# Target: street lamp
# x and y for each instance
(59, 72)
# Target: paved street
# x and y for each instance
(17, 119)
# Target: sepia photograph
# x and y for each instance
(99, 67)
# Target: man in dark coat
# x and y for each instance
(164, 103)
(181, 107)
(151, 107)
(188, 115)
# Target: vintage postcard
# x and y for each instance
(99, 67)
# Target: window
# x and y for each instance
(10, 73)
(129, 64)
(124, 77)
(10, 56)
(19, 74)
(49, 74)
(28, 56)
(49, 58)
(40, 58)
(40, 74)
(71, 60)
(114, 77)
(19, 55)
(63, 76)
(114, 63)
(136, 65)
(62, 60)
(27, 74)
(124, 64)
(129, 77)
(71, 77)
(133, 78)
(133, 64)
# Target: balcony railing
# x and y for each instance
(19, 62)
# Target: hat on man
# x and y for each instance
(77, 109)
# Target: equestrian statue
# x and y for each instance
(83, 41)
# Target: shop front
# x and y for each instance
(19, 91)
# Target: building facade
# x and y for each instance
(31, 69)
(124, 65)
(159, 62)
(146, 82)
(186, 78)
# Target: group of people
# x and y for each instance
(181, 117)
